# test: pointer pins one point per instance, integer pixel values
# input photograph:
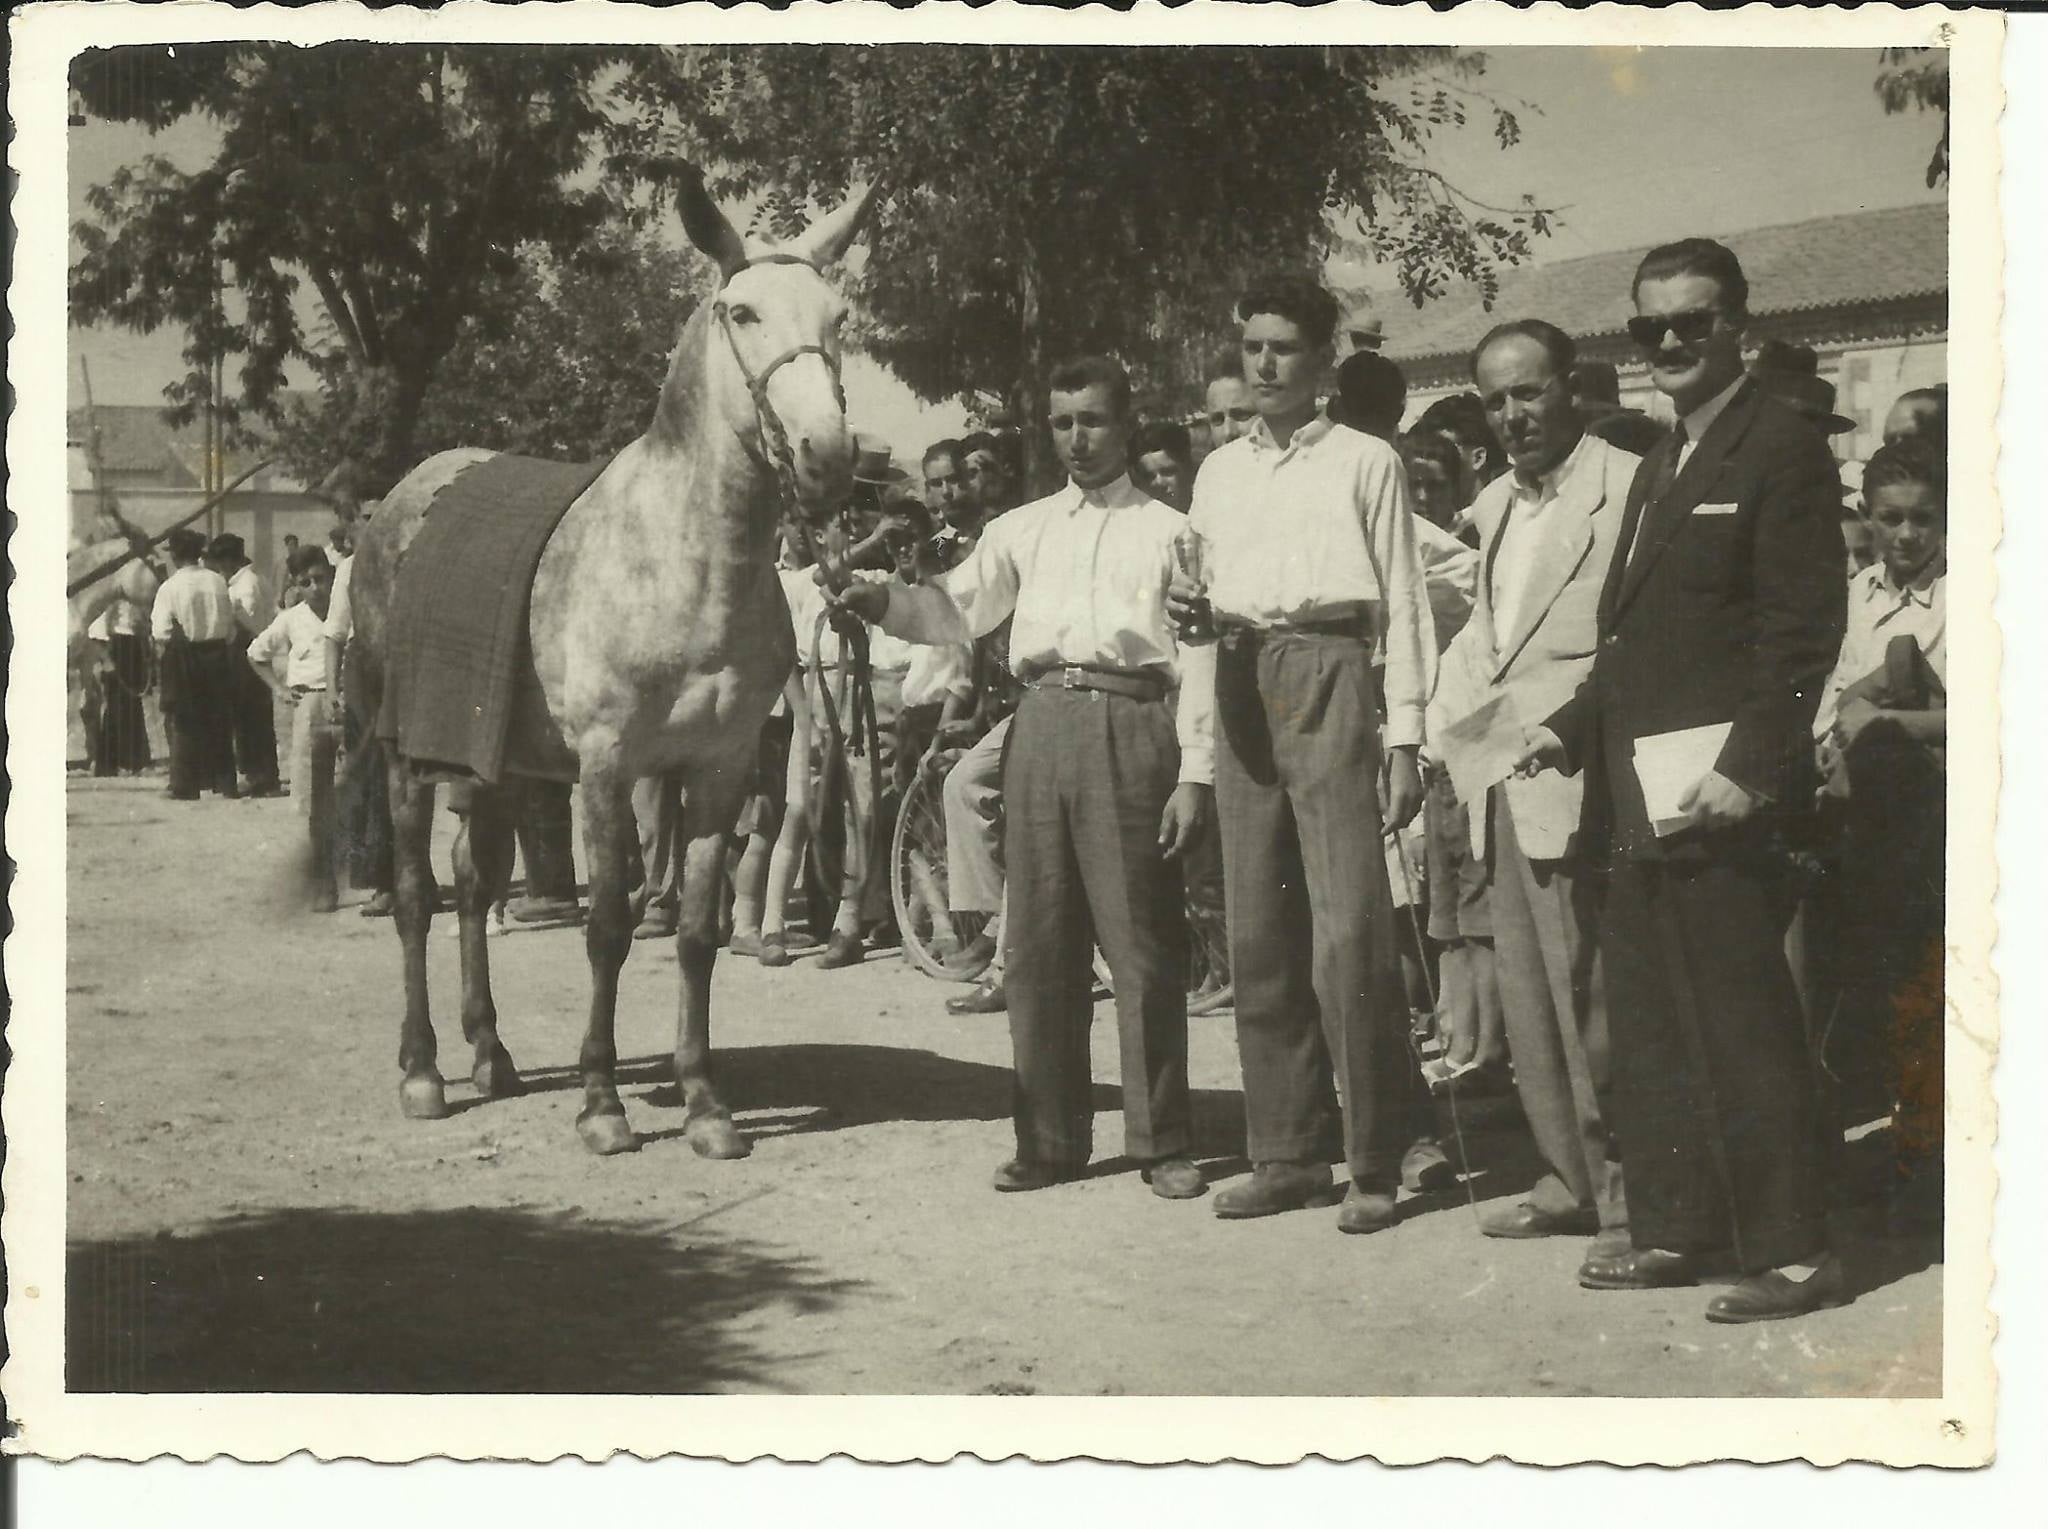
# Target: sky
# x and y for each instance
(1630, 146)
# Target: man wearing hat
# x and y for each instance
(1791, 374)
(193, 621)
(254, 732)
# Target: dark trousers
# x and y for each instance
(1321, 1016)
(122, 732)
(1713, 1089)
(254, 722)
(547, 840)
(198, 703)
(1554, 1009)
(365, 803)
(1085, 781)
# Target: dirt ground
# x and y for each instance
(248, 1211)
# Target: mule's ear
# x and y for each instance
(829, 238)
(707, 227)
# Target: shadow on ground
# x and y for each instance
(466, 1300)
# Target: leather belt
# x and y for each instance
(1136, 684)
(1246, 634)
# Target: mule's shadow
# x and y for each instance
(804, 1088)
(458, 1300)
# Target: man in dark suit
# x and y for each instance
(1717, 622)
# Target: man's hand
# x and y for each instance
(1404, 787)
(336, 711)
(1187, 810)
(1716, 801)
(1541, 750)
(1187, 606)
(866, 600)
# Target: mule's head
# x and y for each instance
(774, 343)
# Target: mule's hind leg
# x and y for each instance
(610, 843)
(483, 866)
(420, 1094)
(707, 821)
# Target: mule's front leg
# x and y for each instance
(706, 1120)
(420, 1094)
(483, 865)
(609, 840)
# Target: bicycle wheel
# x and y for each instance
(917, 878)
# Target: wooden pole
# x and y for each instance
(135, 551)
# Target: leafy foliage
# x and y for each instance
(1051, 199)
(1916, 79)
(398, 181)
(563, 358)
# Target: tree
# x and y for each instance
(1045, 200)
(1916, 79)
(564, 357)
(398, 181)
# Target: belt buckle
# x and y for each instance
(1072, 677)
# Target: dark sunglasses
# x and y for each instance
(1690, 327)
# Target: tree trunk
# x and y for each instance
(1030, 405)
(398, 417)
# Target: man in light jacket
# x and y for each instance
(1547, 533)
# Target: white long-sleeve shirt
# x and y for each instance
(192, 602)
(1085, 573)
(254, 609)
(1320, 530)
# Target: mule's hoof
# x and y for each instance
(606, 1135)
(495, 1077)
(421, 1097)
(715, 1136)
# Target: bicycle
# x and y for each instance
(917, 893)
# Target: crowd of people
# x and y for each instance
(1541, 749)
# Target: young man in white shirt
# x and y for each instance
(289, 658)
(1104, 787)
(193, 621)
(1308, 547)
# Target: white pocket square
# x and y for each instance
(1714, 509)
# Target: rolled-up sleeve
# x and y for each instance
(1408, 631)
(961, 604)
(163, 621)
(1195, 713)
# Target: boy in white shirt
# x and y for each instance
(290, 657)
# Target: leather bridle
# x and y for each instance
(774, 437)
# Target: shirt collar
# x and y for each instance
(1115, 494)
(1549, 485)
(1920, 592)
(1701, 420)
(1302, 439)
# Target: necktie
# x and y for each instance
(1667, 474)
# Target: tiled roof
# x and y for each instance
(1821, 263)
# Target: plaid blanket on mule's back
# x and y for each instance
(461, 694)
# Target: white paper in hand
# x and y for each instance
(1482, 748)
(1670, 764)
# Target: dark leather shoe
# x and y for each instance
(1771, 1297)
(840, 950)
(1274, 1188)
(1175, 1178)
(1426, 1171)
(744, 945)
(775, 950)
(546, 910)
(1021, 1174)
(1366, 1210)
(1637, 1269)
(986, 999)
(1528, 1221)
